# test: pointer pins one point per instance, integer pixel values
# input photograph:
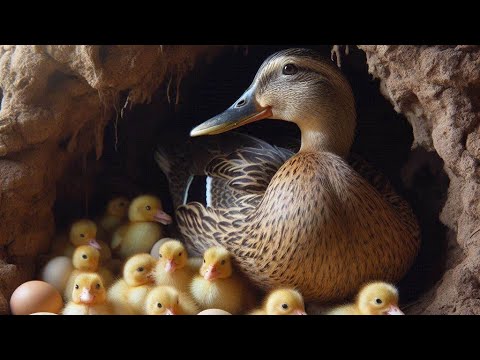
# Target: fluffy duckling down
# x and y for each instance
(128, 294)
(143, 230)
(86, 259)
(216, 285)
(377, 298)
(116, 213)
(282, 302)
(173, 266)
(88, 297)
(166, 300)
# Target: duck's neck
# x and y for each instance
(318, 138)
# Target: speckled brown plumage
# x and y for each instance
(308, 221)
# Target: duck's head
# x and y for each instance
(118, 207)
(86, 258)
(217, 264)
(295, 85)
(162, 300)
(138, 269)
(285, 302)
(378, 298)
(83, 232)
(148, 208)
(172, 255)
(89, 289)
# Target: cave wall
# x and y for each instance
(438, 89)
(55, 103)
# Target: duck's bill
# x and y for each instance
(394, 310)
(244, 111)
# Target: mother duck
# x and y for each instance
(307, 220)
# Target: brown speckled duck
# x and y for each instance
(316, 220)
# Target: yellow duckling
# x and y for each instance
(173, 266)
(217, 286)
(88, 297)
(282, 302)
(166, 300)
(86, 259)
(82, 232)
(377, 298)
(115, 214)
(142, 230)
(127, 295)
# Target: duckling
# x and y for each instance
(82, 232)
(142, 231)
(86, 259)
(166, 300)
(282, 302)
(217, 286)
(127, 295)
(376, 298)
(115, 215)
(88, 297)
(173, 267)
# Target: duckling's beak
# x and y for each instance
(162, 217)
(170, 266)
(86, 296)
(94, 243)
(211, 273)
(394, 310)
(299, 312)
(170, 311)
(244, 111)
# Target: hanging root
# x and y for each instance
(336, 54)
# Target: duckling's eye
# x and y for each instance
(140, 269)
(159, 305)
(84, 256)
(148, 207)
(285, 306)
(82, 235)
(223, 262)
(179, 254)
(159, 255)
(97, 286)
(378, 301)
(289, 69)
(76, 286)
(204, 261)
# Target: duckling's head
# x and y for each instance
(296, 85)
(88, 290)
(83, 232)
(172, 255)
(118, 207)
(285, 302)
(162, 300)
(148, 208)
(217, 264)
(86, 258)
(138, 269)
(378, 298)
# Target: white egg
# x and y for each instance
(156, 247)
(57, 271)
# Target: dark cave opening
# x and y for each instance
(383, 137)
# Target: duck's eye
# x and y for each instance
(179, 254)
(378, 301)
(82, 235)
(289, 69)
(285, 306)
(204, 261)
(223, 262)
(84, 256)
(140, 269)
(148, 207)
(97, 286)
(159, 305)
(160, 255)
(76, 286)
